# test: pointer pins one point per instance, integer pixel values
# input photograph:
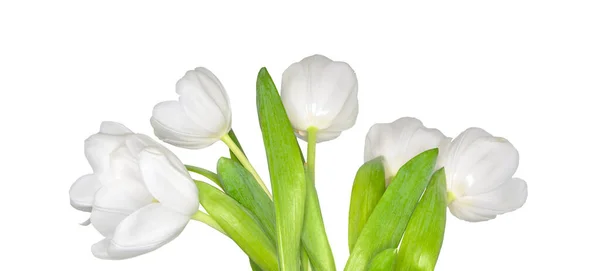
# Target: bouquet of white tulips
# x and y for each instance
(141, 196)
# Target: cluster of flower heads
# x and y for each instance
(141, 196)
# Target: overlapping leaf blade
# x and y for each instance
(240, 225)
(239, 184)
(390, 217)
(235, 140)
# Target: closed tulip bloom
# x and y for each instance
(320, 93)
(400, 141)
(479, 172)
(200, 117)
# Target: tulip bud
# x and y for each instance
(400, 141)
(201, 116)
(479, 169)
(321, 93)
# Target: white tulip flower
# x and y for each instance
(479, 174)
(132, 173)
(322, 94)
(400, 141)
(201, 116)
(130, 220)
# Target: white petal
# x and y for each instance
(346, 118)
(106, 221)
(82, 192)
(114, 128)
(462, 212)
(138, 142)
(123, 164)
(481, 166)
(115, 202)
(203, 80)
(335, 96)
(98, 148)
(457, 147)
(400, 141)
(294, 96)
(146, 230)
(172, 125)
(168, 181)
(509, 196)
(205, 101)
(100, 249)
(322, 135)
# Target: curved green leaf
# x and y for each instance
(286, 170)
(240, 225)
(254, 266)
(388, 221)
(422, 240)
(204, 172)
(368, 187)
(239, 184)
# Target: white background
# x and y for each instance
(525, 70)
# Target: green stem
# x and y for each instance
(312, 151)
(208, 220)
(244, 161)
(314, 236)
(206, 173)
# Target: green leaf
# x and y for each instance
(204, 172)
(384, 261)
(237, 142)
(286, 170)
(369, 186)
(305, 262)
(388, 221)
(424, 234)
(240, 225)
(314, 237)
(254, 266)
(239, 184)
